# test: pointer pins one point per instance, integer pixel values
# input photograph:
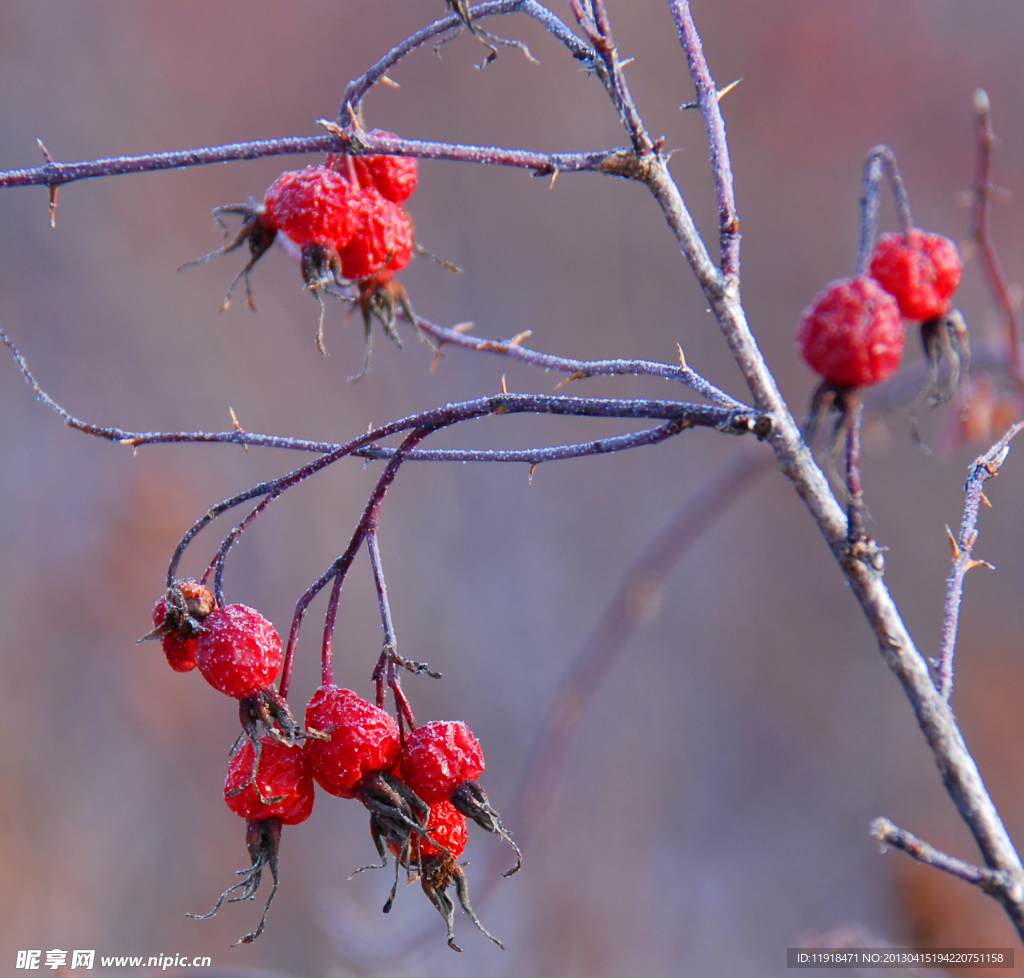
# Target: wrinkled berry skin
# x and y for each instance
(395, 177)
(238, 651)
(446, 826)
(311, 206)
(283, 771)
(180, 652)
(382, 237)
(439, 756)
(922, 273)
(364, 739)
(852, 333)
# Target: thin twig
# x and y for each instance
(984, 468)
(990, 880)
(356, 90)
(981, 219)
(721, 168)
(579, 369)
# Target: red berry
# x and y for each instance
(382, 237)
(852, 333)
(282, 772)
(922, 272)
(364, 739)
(177, 617)
(439, 756)
(238, 651)
(311, 206)
(395, 177)
(446, 827)
(180, 652)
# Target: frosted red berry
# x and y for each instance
(382, 237)
(921, 270)
(177, 620)
(852, 333)
(439, 756)
(364, 739)
(446, 828)
(283, 778)
(238, 651)
(395, 177)
(311, 206)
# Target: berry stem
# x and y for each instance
(390, 639)
(338, 569)
(880, 160)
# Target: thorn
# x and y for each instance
(720, 94)
(682, 359)
(533, 468)
(971, 564)
(578, 375)
(389, 82)
(237, 426)
(554, 177)
(957, 553)
(45, 151)
(628, 61)
(984, 499)
(462, 328)
(519, 337)
(435, 363)
(504, 388)
(355, 120)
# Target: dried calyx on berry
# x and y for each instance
(441, 761)
(432, 857)
(282, 795)
(262, 840)
(178, 617)
(346, 220)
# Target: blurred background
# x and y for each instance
(715, 805)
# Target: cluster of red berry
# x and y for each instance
(347, 220)
(853, 332)
(419, 786)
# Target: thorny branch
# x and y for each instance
(959, 772)
(984, 468)
(645, 162)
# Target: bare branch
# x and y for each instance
(984, 468)
(721, 168)
(990, 880)
(579, 368)
(981, 215)
(357, 89)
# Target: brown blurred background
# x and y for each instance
(717, 800)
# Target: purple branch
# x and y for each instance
(984, 468)
(579, 368)
(721, 168)
(990, 880)
(357, 89)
